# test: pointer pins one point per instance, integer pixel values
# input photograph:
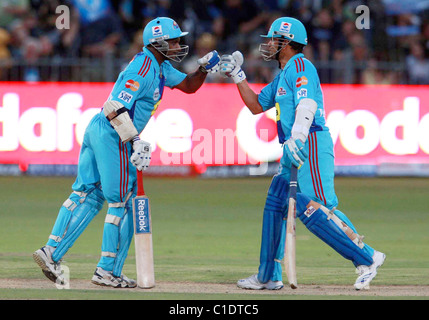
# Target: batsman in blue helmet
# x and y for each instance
(112, 151)
(297, 95)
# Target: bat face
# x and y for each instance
(141, 215)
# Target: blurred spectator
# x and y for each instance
(325, 30)
(240, 20)
(100, 27)
(112, 28)
(10, 10)
(374, 74)
(135, 46)
(417, 64)
(4, 53)
(259, 71)
(425, 34)
(203, 45)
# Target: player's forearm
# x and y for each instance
(192, 82)
(250, 98)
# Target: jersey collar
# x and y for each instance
(152, 57)
(298, 55)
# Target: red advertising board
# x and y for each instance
(43, 123)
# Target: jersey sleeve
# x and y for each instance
(172, 76)
(129, 86)
(266, 97)
(304, 80)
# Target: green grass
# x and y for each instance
(208, 231)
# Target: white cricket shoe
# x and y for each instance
(367, 273)
(51, 269)
(102, 277)
(253, 283)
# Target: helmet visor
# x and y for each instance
(272, 48)
(174, 54)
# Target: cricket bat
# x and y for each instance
(290, 264)
(143, 237)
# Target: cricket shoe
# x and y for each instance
(51, 269)
(253, 283)
(367, 273)
(102, 277)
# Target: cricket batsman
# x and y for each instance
(307, 144)
(112, 151)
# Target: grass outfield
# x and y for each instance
(207, 231)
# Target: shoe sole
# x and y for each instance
(42, 264)
(250, 287)
(45, 269)
(366, 286)
(104, 284)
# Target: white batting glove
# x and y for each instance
(141, 155)
(230, 66)
(295, 151)
(210, 62)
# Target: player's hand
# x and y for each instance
(295, 151)
(230, 66)
(141, 155)
(210, 62)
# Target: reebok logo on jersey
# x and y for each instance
(302, 81)
(132, 85)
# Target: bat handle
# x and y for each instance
(293, 181)
(140, 189)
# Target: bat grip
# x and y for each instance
(293, 182)
(140, 189)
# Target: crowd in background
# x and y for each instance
(393, 50)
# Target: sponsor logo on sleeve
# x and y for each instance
(301, 81)
(132, 85)
(125, 96)
(301, 93)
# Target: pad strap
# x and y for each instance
(110, 218)
(112, 115)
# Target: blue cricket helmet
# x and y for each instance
(161, 28)
(158, 31)
(288, 28)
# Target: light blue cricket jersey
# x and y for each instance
(298, 80)
(141, 85)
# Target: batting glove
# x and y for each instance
(230, 66)
(210, 62)
(295, 151)
(141, 155)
